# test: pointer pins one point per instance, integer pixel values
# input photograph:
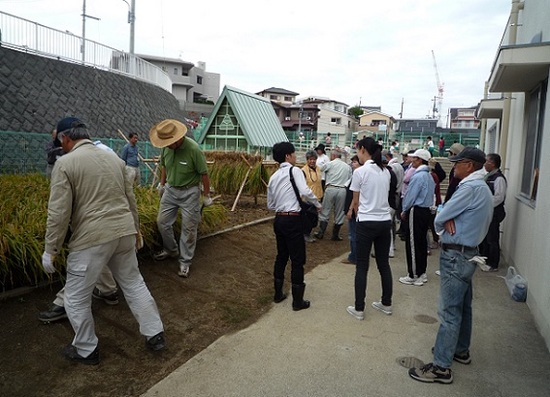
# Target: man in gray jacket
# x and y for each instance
(91, 193)
(337, 179)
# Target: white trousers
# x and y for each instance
(83, 270)
(134, 174)
(106, 284)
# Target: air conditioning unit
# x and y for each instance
(308, 118)
(287, 118)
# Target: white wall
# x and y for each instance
(526, 229)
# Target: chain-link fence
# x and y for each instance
(25, 152)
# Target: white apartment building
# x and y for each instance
(194, 88)
(515, 117)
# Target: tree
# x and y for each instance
(355, 111)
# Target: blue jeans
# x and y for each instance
(455, 305)
(352, 225)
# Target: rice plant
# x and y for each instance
(23, 215)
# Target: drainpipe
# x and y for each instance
(483, 126)
(517, 6)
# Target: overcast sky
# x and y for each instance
(373, 53)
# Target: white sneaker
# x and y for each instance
(438, 272)
(419, 282)
(184, 271)
(383, 308)
(407, 280)
(423, 277)
(355, 313)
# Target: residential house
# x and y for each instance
(518, 120)
(333, 117)
(294, 117)
(195, 89)
(376, 124)
(464, 118)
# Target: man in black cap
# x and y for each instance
(91, 192)
(106, 289)
(462, 223)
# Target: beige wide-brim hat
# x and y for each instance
(167, 132)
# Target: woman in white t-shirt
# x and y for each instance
(370, 185)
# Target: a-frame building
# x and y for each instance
(242, 122)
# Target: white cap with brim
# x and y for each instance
(422, 153)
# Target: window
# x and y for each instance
(273, 97)
(336, 120)
(199, 79)
(288, 99)
(533, 140)
(176, 71)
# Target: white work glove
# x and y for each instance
(480, 261)
(160, 189)
(207, 201)
(47, 262)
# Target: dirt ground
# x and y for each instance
(229, 287)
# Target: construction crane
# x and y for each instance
(439, 98)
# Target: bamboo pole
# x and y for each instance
(241, 190)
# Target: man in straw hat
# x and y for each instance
(183, 168)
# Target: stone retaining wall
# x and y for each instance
(36, 92)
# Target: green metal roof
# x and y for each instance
(255, 115)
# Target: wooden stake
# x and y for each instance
(241, 189)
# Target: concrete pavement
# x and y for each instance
(323, 351)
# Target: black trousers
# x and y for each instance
(416, 242)
(289, 233)
(490, 246)
(371, 233)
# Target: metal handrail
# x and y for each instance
(27, 36)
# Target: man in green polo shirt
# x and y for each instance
(183, 168)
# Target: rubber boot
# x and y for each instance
(279, 295)
(322, 229)
(336, 233)
(298, 302)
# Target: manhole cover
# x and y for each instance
(422, 318)
(410, 362)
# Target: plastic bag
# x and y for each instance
(517, 285)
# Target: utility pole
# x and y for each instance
(132, 22)
(84, 16)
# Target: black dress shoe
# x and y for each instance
(71, 354)
(156, 342)
(55, 313)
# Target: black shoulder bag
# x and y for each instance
(308, 212)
